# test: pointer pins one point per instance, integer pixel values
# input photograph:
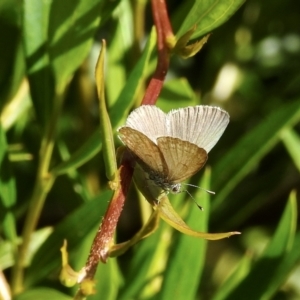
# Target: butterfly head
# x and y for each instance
(175, 188)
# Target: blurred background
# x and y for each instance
(250, 66)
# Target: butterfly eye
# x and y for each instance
(176, 188)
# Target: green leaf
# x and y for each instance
(120, 109)
(73, 228)
(11, 56)
(187, 253)
(109, 152)
(180, 93)
(205, 14)
(126, 99)
(7, 181)
(6, 255)
(266, 268)
(120, 51)
(86, 152)
(148, 228)
(108, 276)
(238, 274)
(42, 294)
(169, 215)
(243, 157)
(286, 242)
(7, 191)
(108, 280)
(35, 35)
(72, 26)
(284, 269)
(11, 61)
(146, 264)
(291, 141)
(57, 37)
(283, 238)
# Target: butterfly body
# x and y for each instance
(164, 182)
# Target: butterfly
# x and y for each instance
(173, 147)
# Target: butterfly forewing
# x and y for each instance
(144, 149)
(149, 120)
(201, 125)
(183, 158)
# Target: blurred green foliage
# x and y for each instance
(250, 67)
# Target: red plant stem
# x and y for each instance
(164, 30)
(161, 17)
(104, 236)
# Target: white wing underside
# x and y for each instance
(149, 120)
(200, 125)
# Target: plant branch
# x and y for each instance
(43, 184)
(104, 237)
(164, 31)
(103, 240)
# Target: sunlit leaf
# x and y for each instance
(109, 153)
(234, 279)
(248, 151)
(169, 215)
(275, 253)
(108, 278)
(145, 231)
(7, 191)
(180, 91)
(57, 38)
(74, 227)
(93, 145)
(43, 294)
(291, 141)
(188, 253)
(206, 15)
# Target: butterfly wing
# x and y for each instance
(146, 151)
(183, 158)
(149, 120)
(201, 125)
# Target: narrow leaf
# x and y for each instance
(73, 228)
(93, 145)
(169, 215)
(266, 268)
(246, 154)
(42, 294)
(7, 191)
(109, 153)
(187, 253)
(238, 274)
(291, 141)
(206, 15)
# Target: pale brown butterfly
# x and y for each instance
(174, 146)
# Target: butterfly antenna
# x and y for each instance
(198, 187)
(199, 206)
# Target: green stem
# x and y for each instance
(43, 184)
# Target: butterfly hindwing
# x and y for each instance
(182, 158)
